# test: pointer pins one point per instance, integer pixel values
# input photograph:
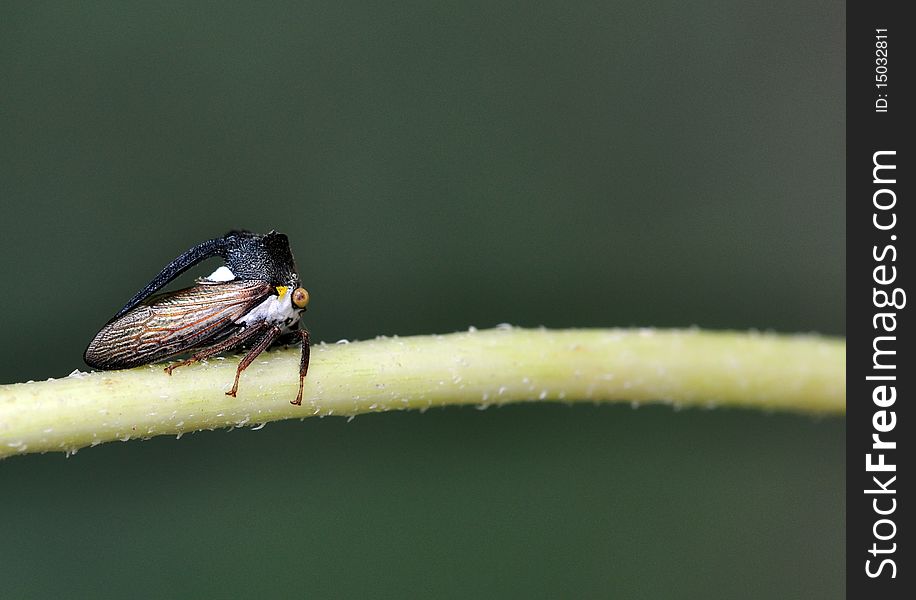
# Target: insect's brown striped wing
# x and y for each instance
(173, 323)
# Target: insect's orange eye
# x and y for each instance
(300, 297)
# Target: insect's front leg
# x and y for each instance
(303, 365)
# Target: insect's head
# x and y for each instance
(298, 296)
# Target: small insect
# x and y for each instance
(254, 300)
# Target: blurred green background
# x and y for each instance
(436, 165)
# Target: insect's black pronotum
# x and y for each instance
(254, 300)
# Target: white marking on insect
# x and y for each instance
(278, 310)
(220, 275)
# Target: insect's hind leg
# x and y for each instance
(228, 344)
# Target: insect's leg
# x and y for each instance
(272, 333)
(227, 344)
(303, 365)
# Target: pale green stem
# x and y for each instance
(679, 367)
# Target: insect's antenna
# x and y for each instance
(200, 252)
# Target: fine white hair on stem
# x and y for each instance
(684, 368)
